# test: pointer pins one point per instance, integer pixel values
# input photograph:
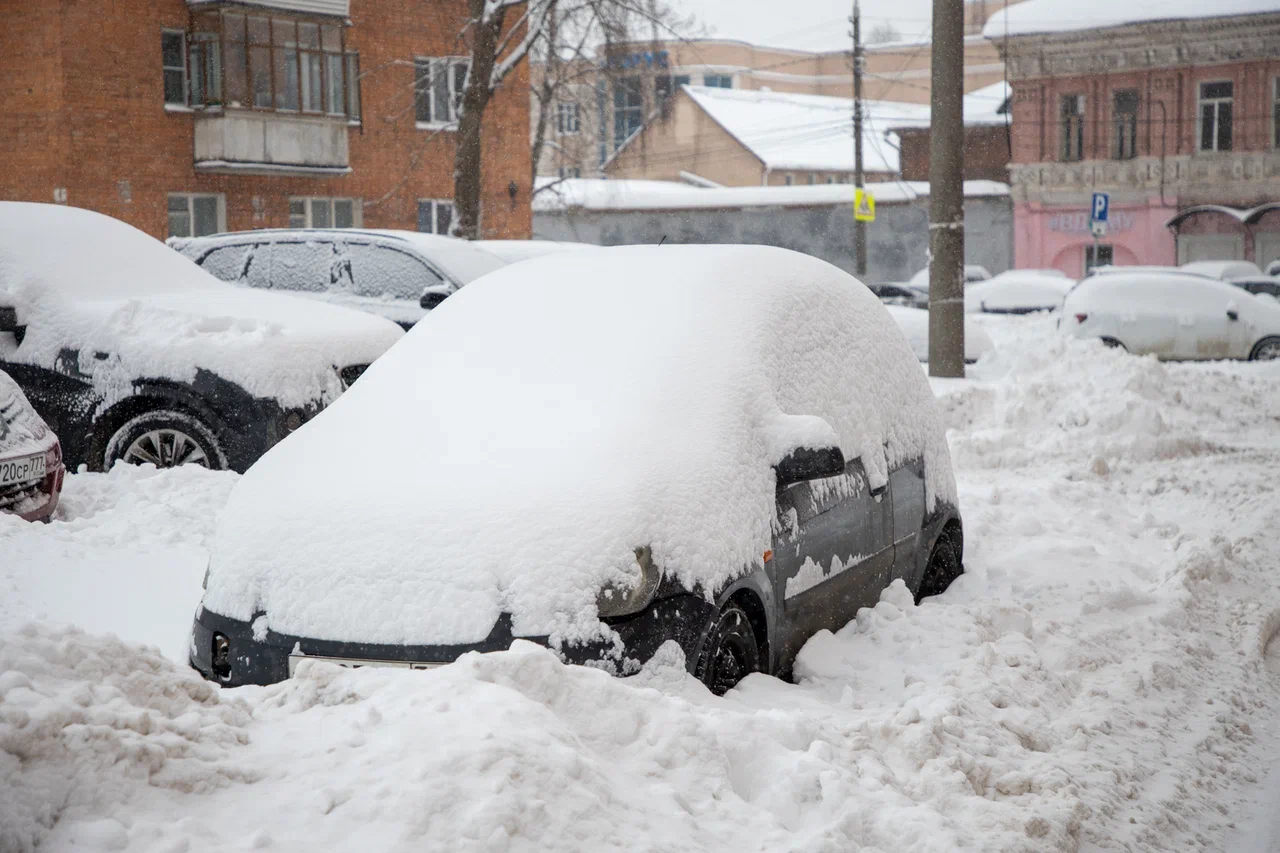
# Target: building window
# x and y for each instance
(566, 118)
(269, 63)
(788, 180)
(313, 212)
(831, 179)
(196, 214)
(1215, 116)
(435, 216)
(173, 52)
(813, 179)
(570, 172)
(628, 109)
(1098, 255)
(1072, 128)
(1125, 109)
(718, 81)
(439, 89)
(682, 80)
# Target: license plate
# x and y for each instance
(21, 470)
(356, 663)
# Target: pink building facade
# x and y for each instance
(1178, 121)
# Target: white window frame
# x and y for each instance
(357, 219)
(435, 213)
(1201, 102)
(191, 211)
(567, 118)
(433, 65)
(185, 103)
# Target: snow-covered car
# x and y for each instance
(131, 352)
(725, 447)
(1224, 270)
(399, 275)
(914, 323)
(31, 467)
(1017, 292)
(1273, 268)
(1173, 315)
(972, 273)
(896, 293)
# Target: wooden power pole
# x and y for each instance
(859, 227)
(946, 192)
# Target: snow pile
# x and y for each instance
(1049, 16)
(1121, 414)
(133, 308)
(1017, 291)
(564, 412)
(22, 432)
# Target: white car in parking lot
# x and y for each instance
(1017, 292)
(1173, 315)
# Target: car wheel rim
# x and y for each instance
(1269, 351)
(165, 448)
(731, 661)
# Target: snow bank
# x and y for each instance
(154, 314)
(1049, 16)
(22, 432)
(563, 412)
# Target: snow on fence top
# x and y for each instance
(628, 194)
(1054, 16)
(550, 418)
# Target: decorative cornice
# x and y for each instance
(1154, 44)
(1238, 176)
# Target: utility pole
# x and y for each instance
(946, 192)
(859, 227)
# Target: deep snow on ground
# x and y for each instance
(1097, 680)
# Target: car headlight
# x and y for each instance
(624, 599)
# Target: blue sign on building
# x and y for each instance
(1101, 207)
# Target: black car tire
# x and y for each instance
(152, 434)
(944, 567)
(731, 651)
(1267, 349)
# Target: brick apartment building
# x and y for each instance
(1178, 119)
(194, 116)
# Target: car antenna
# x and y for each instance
(663, 240)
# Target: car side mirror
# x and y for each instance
(809, 463)
(1233, 311)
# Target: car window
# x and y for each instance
(384, 271)
(229, 263)
(306, 266)
(1264, 287)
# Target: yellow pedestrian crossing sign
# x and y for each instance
(864, 205)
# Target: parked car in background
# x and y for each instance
(914, 323)
(1273, 268)
(972, 273)
(130, 352)
(1260, 285)
(565, 414)
(1017, 292)
(399, 275)
(31, 467)
(897, 293)
(1173, 315)
(1224, 270)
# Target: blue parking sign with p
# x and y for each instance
(1101, 206)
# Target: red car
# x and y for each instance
(31, 468)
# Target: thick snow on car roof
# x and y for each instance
(520, 443)
(1017, 290)
(92, 284)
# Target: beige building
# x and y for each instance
(601, 105)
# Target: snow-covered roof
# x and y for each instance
(1053, 16)
(628, 194)
(563, 412)
(987, 105)
(812, 133)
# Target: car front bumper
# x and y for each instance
(682, 618)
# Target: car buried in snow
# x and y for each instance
(31, 467)
(725, 447)
(132, 353)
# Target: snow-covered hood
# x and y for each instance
(133, 308)
(22, 432)
(542, 423)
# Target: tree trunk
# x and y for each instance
(467, 178)
(545, 91)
